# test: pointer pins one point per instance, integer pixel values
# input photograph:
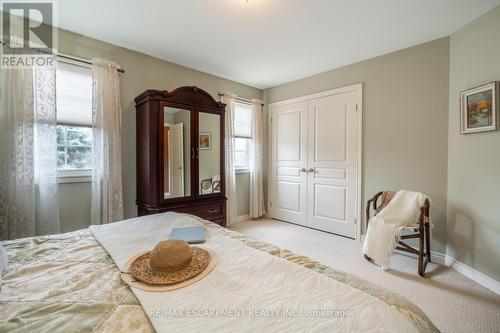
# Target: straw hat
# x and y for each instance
(170, 262)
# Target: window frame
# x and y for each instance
(73, 175)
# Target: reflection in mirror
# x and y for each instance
(176, 153)
(209, 153)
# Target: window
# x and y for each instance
(242, 135)
(74, 122)
(241, 147)
(74, 145)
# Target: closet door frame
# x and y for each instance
(359, 146)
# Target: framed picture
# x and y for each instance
(205, 141)
(478, 109)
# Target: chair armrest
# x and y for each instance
(369, 202)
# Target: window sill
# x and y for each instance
(242, 171)
(74, 176)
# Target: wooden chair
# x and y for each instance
(421, 229)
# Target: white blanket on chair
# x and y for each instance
(384, 229)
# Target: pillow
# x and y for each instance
(4, 259)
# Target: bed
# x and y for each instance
(69, 283)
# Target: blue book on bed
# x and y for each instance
(192, 235)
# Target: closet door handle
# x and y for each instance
(192, 152)
(303, 170)
(311, 170)
(197, 153)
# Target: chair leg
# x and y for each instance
(427, 242)
(421, 253)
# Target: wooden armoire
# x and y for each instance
(180, 153)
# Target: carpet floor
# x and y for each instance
(452, 301)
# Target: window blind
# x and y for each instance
(74, 94)
(242, 121)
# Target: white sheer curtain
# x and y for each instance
(107, 193)
(28, 165)
(228, 99)
(257, 208)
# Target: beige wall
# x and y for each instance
(142, 72)
(474, 159)
(411, 130)
(74, 203)
(405, 121)
(243, 196)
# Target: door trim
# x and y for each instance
(358, 87)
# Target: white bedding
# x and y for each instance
(248, 291)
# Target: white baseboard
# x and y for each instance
(474, 275)
(239, 219)
(471, 273)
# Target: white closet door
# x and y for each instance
(177, 164)
(289, 146)
(332, 163)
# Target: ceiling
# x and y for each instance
(264, 43)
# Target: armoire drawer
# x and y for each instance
(209, 211)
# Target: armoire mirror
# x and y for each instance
(176, 152)
(209, 145)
